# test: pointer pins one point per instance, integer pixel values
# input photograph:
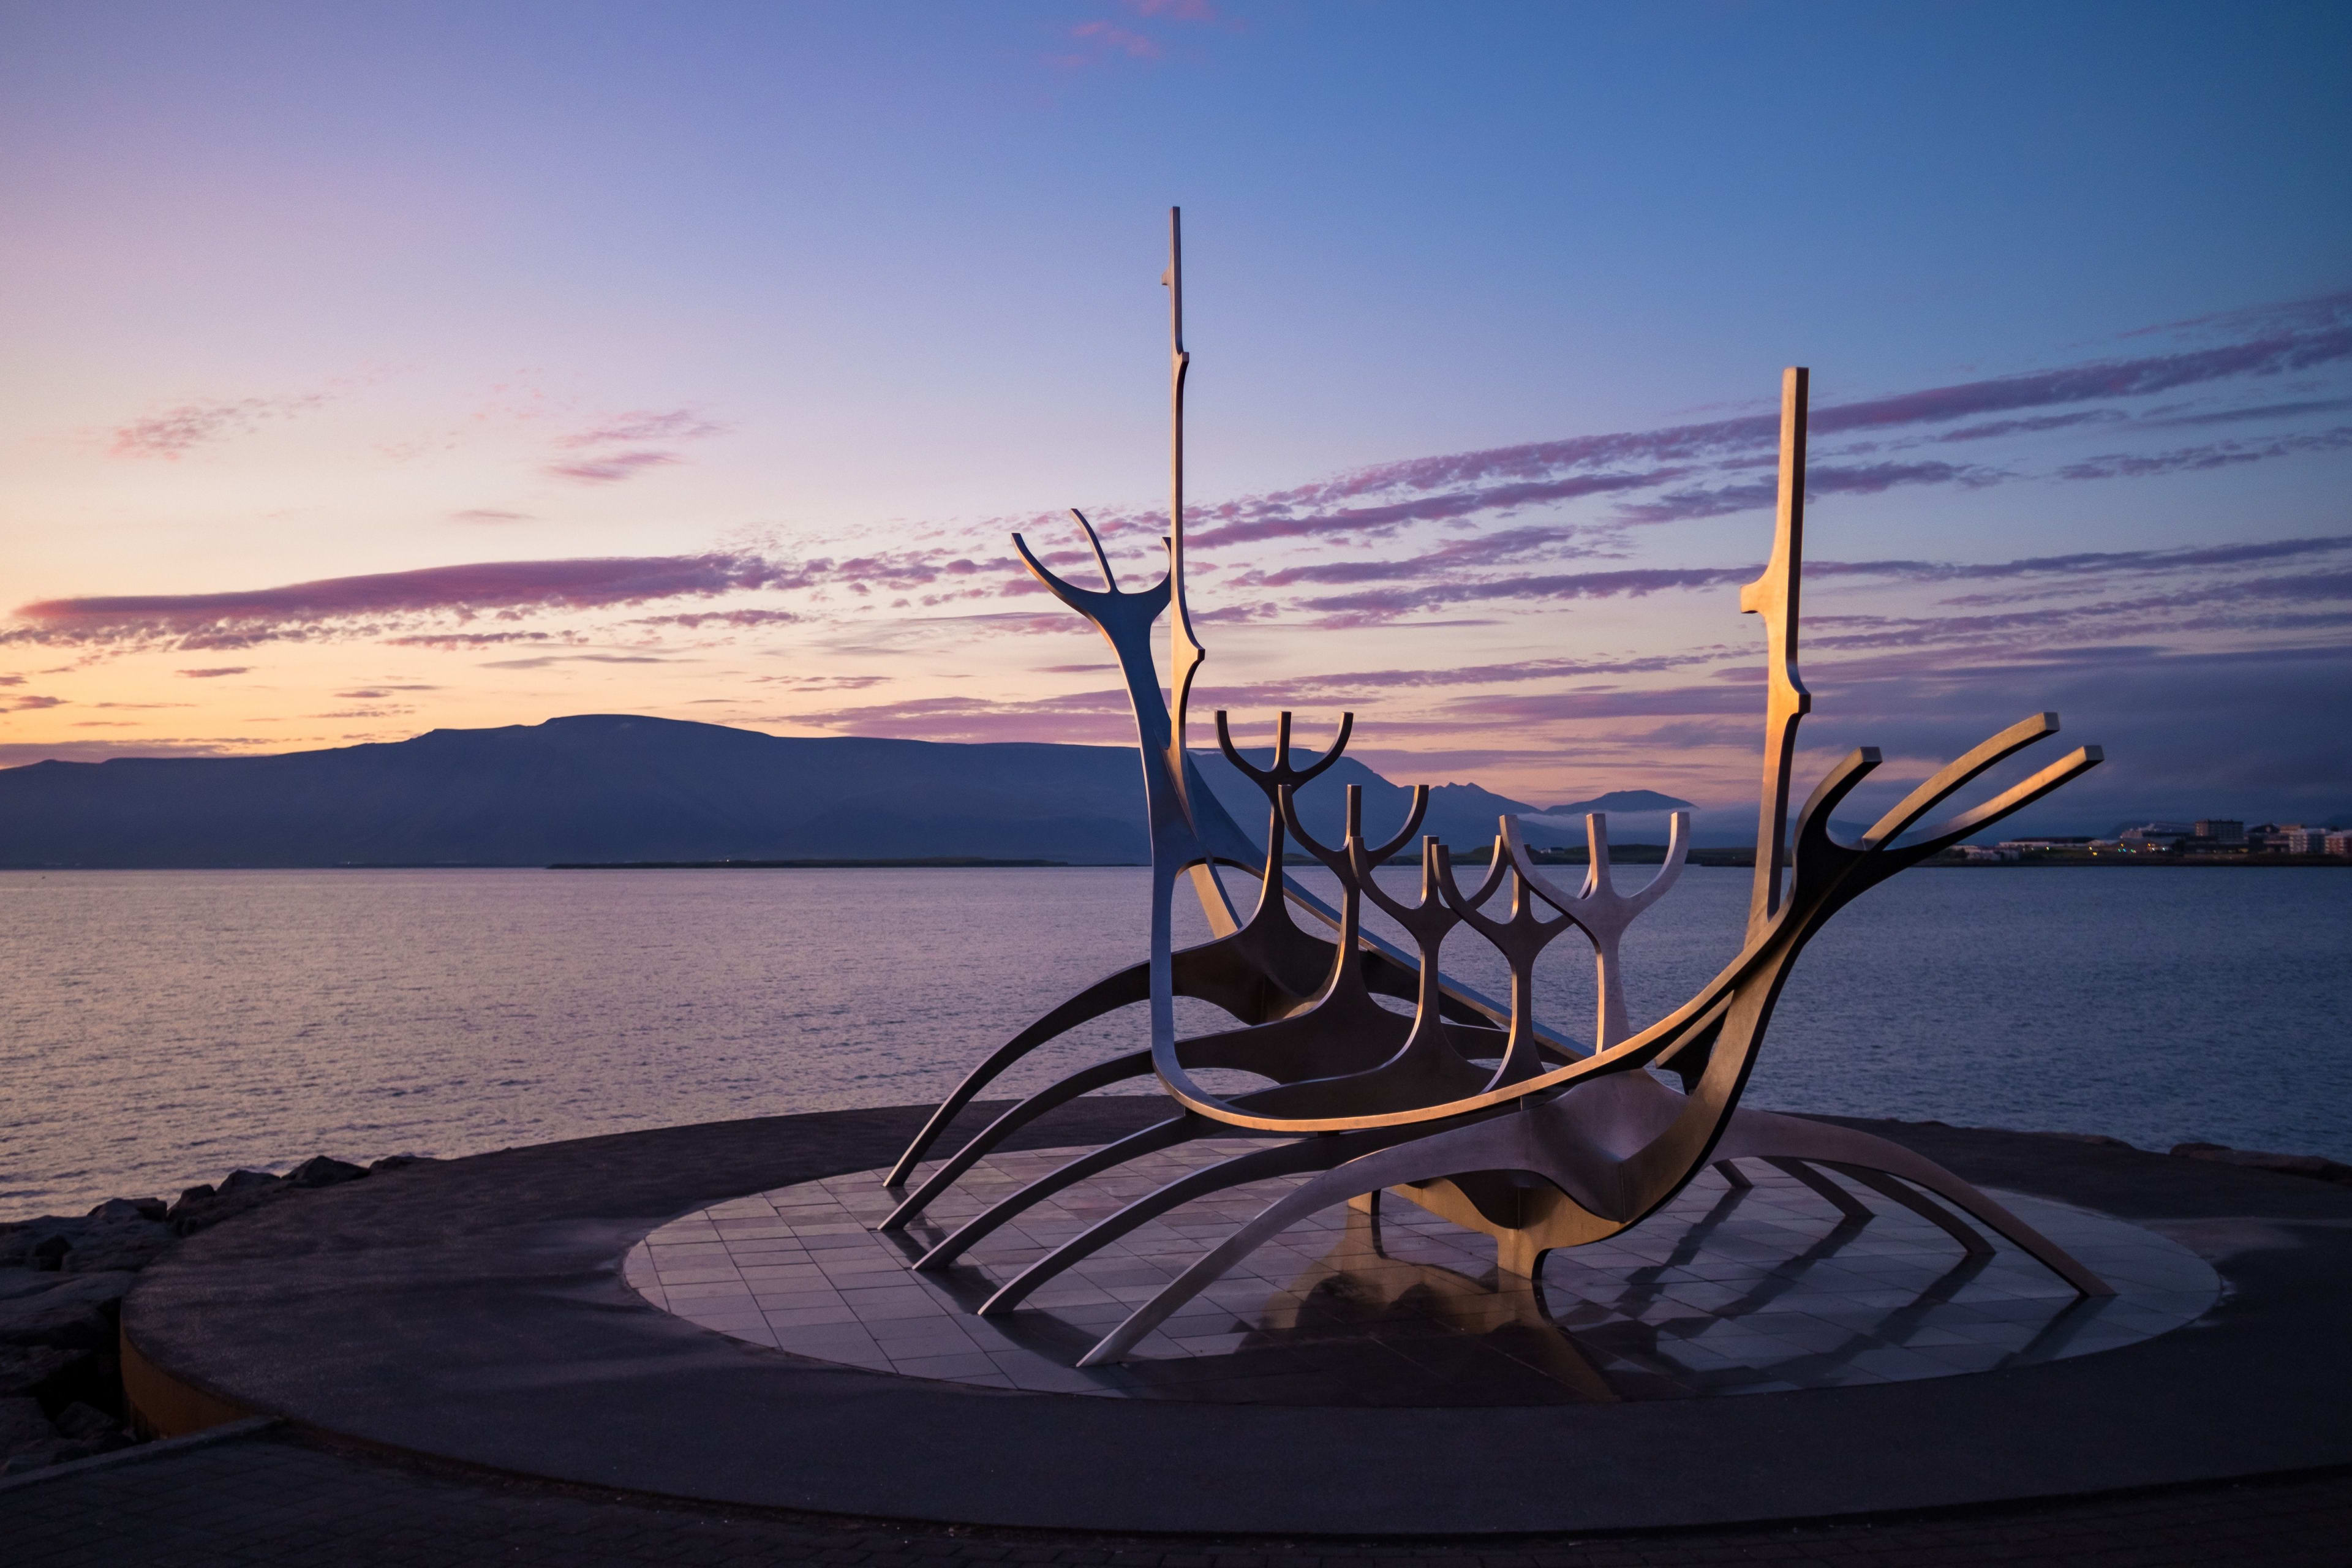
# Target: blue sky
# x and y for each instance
(780, 313)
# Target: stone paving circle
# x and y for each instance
(1727, 1292)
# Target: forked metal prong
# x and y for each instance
(1271, 780)
(1956, 773)
(1110, 579)
(2073, 766)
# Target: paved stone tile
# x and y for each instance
(1724, 1293)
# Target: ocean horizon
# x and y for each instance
(164, 1028)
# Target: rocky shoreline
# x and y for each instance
(62, 1280)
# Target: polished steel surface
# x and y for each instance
(1469, 1108)
(1773, 597)
(1599, 909)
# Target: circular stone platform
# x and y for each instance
(1761, 1290)
(475, 1311)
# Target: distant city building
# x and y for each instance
(2209, 836)
(2175, 838)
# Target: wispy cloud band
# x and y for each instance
(504, 588)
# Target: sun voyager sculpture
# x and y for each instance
(1468, 1105)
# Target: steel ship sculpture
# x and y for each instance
(1468, 1105)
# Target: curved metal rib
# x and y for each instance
(1284, 1049)
(1850, 1209)
(1136, 1064)
(1367, 1173)
(1129, 985)
(1262, 971)
(1763, 1134)
(1256, 1165)
(1933, 1213)
(1158, 1136)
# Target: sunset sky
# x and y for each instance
(379, 368)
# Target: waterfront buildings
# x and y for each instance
(2208, 839)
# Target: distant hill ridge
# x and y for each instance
(612, 787)
(1625, 801)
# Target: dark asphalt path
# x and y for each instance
(276, 1499)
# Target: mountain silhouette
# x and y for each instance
(616, 787)
(1625, 801)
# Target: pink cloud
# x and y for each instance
(822, 682)
(2320, 310)
(541, 661)
(1275, 520)
(176, 431)
(374, 603)
(449, 641)
(1666, 702)
(2101, 562)
(696, 620)
(1524, 670)
(2259, 411)
(1459, 485)
(611, 470)
(1102, 39)
(29, 703)
(1630, 582)
(2239, 604)
(2272, 355)
(1457, 555)
(1084, 715)
(1637, 581)
(216, 671)
(2034, 425)
(630, 430)
(1821, 479)
(2221, 454)
(677, 425)
(1118, 40)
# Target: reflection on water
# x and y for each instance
(159, 1028)
(1725, 1292)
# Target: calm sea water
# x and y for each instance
(161, 1028)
